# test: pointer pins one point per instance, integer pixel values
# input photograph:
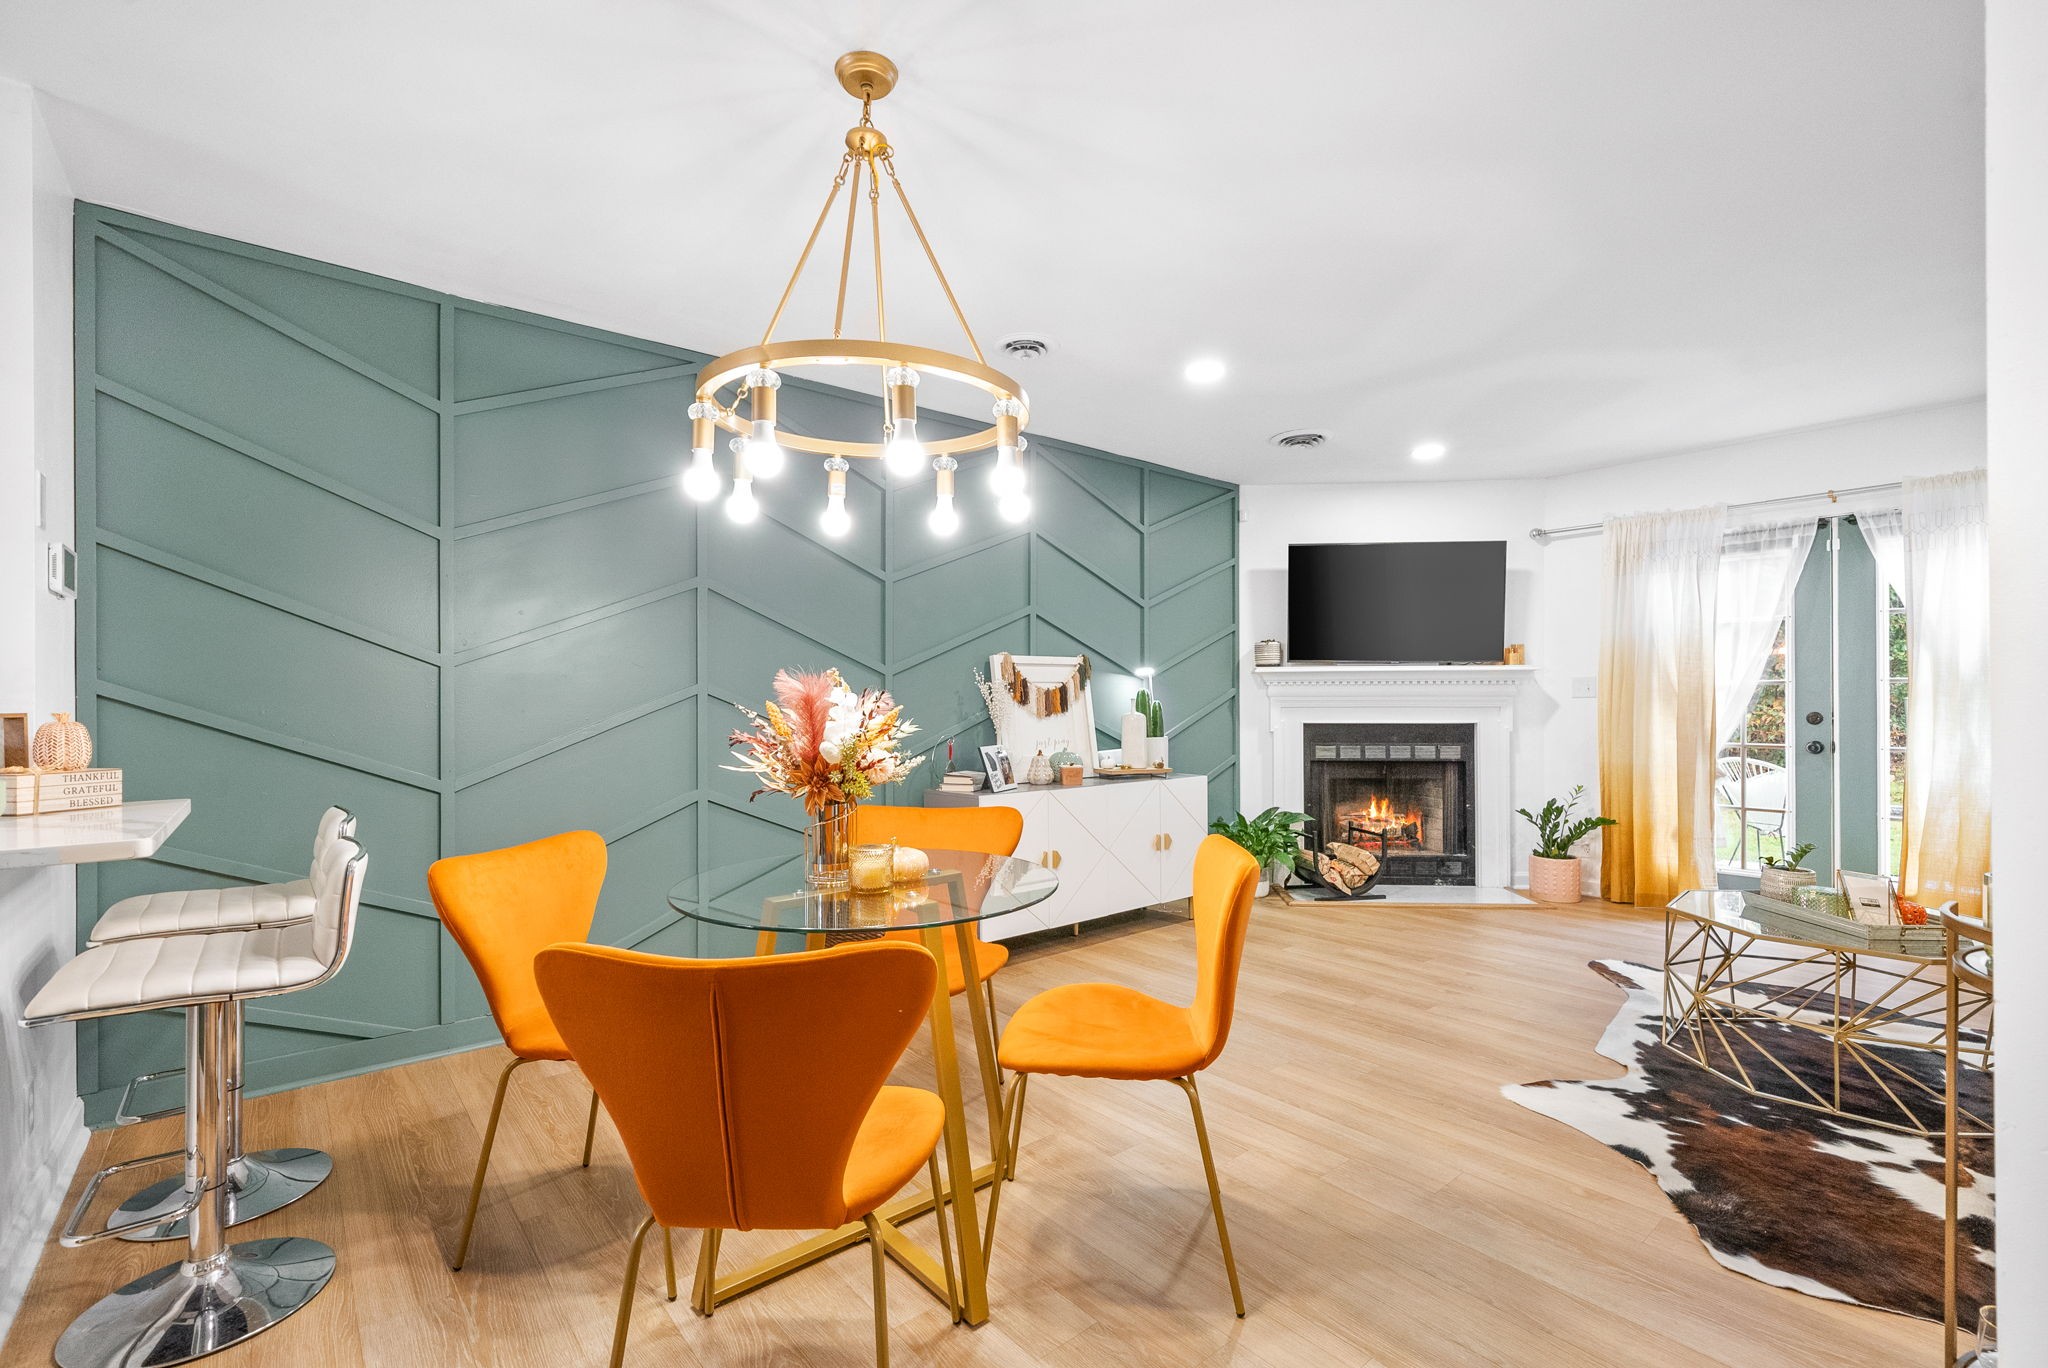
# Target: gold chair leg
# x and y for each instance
(705, 1296)
(988, 988)
(626, 1293)
(668, 1256)
(881, 1263)
(590, 1128)
(1187, 1086)
(483, 1162)
(945, 1237)
(1013, 1120)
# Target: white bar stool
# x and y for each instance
(267, 1180)
(219, 1294)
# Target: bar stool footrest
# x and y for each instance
(70, 1238)
(123, 1117)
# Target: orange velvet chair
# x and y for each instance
(750, 1093)
(503, 907)
(987, 831)
(1105, 1030)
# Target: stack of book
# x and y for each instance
(961, 781)
(23, 793)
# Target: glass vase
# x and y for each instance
(827, 842)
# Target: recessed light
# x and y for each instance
(1204, 370)
(1429, 451)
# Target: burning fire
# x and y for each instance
(1379, 812)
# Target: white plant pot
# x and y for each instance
(1264, 889)
(1783, 885)
(1155, 751)
(1554, 881)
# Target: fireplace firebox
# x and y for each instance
(1407, 784)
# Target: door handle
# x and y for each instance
(1815, 747)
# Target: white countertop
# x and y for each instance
(131, 831)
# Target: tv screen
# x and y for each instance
(1397, 602)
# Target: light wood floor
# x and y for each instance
(1388, 1206)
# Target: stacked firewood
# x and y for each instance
(1347, 867)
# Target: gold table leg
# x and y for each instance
(983, 1020)
(966, 1211)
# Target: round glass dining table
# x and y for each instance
(959, 889)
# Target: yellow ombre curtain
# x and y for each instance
(1657, 704)
(1936, 551)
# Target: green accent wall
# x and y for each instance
(346, 540)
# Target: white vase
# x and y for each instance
(1155, 751)
(1133, 731)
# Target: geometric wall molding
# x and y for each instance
(344, 539)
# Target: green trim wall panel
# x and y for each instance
(348, 540)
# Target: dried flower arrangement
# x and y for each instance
(822, 743)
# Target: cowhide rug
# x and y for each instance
(1791, 1197)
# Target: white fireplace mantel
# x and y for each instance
(1482, 695)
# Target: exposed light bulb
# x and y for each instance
(1429, 451)
(835, 521)
(765, 456)
(700, 477)
(742, 506)
(1008, 475)
(945, 519)
(1014, 507)
(905, 454)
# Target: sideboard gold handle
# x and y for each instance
(1168, 838)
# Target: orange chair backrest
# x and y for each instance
(986, 830)
(505, 906)
(738, 1085)
(1226, 877)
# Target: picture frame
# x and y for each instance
(1020, 732)
(1002, 774)
(1870, 896)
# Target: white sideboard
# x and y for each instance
(1117, 844)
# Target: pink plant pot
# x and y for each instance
(1554, 881)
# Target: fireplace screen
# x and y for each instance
(1407, 785)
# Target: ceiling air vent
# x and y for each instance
(1028, 345)
(1299, 439)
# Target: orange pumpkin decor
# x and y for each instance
(1911, 913)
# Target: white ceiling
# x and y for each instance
(1552, 235)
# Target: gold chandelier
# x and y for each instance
(758, 446)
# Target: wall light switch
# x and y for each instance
(1585, 686)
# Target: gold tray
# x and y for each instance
(1132, 772)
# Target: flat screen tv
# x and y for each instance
(1397, 602)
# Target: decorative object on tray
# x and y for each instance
(26, 792)
(1822, 900)
(1783, 875)
(1039, 771)
(1269, 652)
(828, 747)
(1832, 1206)
(1155, 736)
(1273, 838)
(1553, 869)
(1002, 775)
(13, 741)
(1057, 711)
(62, 743)
(1871, 897)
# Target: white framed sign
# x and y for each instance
(1020, 731)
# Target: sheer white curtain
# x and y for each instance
(1936, 551)
(1760, 568)
(1657, 704)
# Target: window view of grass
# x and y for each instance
(1753, 786)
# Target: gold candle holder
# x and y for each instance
(872, 867)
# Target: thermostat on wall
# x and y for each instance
(63, 571)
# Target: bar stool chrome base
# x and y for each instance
(258, 1184)
(185, 1311)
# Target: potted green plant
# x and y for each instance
(1553, 869)
(1784, 875)
(1271, 838)
(1155, 735)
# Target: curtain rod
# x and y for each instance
(1544, 534)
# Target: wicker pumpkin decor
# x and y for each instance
(62, 743)
(1040, 771)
